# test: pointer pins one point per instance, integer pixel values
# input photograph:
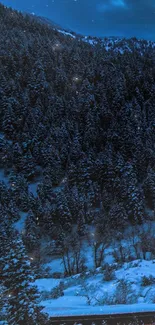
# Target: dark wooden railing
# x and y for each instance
(140, 318)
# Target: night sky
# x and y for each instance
(124, 18)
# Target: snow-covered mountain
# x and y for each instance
(113, 43)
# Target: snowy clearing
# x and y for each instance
(77, 288)
(76, 307)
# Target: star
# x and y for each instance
(76, 79)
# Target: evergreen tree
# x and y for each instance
(135, 195)
(4, 306)
(81, 224)
(63, 212)
(31, 233)
(17, 277)
(117, 216)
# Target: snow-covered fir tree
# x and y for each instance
(17, 277)
(31, 233)
(4, 306)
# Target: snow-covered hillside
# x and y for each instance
(112, 288)
(91, 294)
(114, 44)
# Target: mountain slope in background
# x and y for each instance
(79, 115)
(77, 142)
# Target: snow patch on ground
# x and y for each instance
(3, 177)
(32, 187)
(66, 33)
(90, 41)
(55, 265)
(46, 284)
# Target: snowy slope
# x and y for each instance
(114, 44)
(74, 301)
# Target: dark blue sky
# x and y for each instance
(96, 17)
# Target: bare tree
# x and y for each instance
(72, 257)
(147, 239)
(133, 237)
(100, 242)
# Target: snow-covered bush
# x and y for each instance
(40, 272)
(124, 293)
(93, 272)
(130, 258)
(150, 295)
(117, 258)
(133, 264)
(109, 273)
(147, 280)
(88, 291)
(57, 275)
(72, 281)
(105, 299)
(44, 273)
(57, 291)
(45, 295)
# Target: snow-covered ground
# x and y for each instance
(66, 33)
(116, 44)
(55, 265)
(78, 307)
(76, 288)
(46, 284)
